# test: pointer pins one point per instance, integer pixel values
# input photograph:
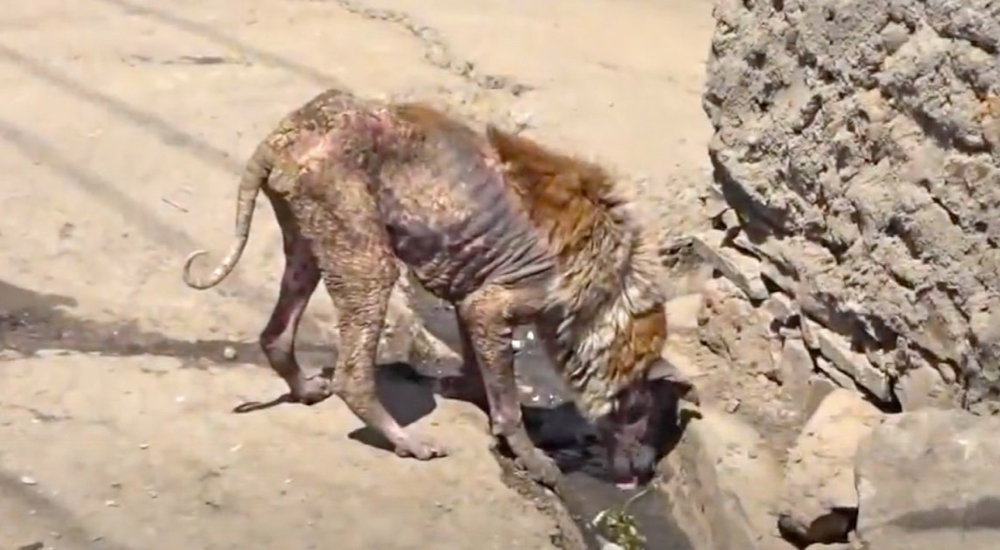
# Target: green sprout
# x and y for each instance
(621, 526)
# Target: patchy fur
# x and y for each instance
(508, 231)
(605, 324)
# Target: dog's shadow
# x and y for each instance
(560, 431)
(407, 395)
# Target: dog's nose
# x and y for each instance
(644, 462)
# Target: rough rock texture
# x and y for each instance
(858, 143)
(819, 502)
(929, 480)
(732, 328)
(723, 485)
(722, 477)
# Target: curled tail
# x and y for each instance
(255, 175)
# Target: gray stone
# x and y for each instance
(833, 373)
(818, 497)
(819, 387)
(780, 307)
(928, 479)
(731, 327)
(682, 312)
(741, 269)
(809, 329)
(924, 387)
(725, 484)
(795, 369)
(856, 365)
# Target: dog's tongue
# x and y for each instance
(627, 484)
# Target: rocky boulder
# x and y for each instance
(930, 480)
(858, 144)
(819, 501)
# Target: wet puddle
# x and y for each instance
(30, 322)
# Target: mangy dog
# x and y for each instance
(506, 230)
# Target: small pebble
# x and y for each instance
(28, 480)
(516, 344)
(229, 352)
(732, 405)
(144, 446)
(110, 504)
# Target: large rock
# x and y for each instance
(796, 368)
(930, 480)
(819, 501)
(722, 479)
(732, 327)
(723, 485)
(859, 143)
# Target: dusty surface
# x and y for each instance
(928, 479)
(122, 126)
(140, 452)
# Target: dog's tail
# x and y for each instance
(255, 175)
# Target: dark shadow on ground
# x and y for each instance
(32, 321)
(406, 395)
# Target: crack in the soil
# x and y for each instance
(40, 416)
(437, 51)
(211, 32)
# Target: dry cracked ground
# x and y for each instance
(122, 126)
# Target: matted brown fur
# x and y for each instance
(607, 325)
(509, 231)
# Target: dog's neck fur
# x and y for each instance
(607, 271)
(594, 322)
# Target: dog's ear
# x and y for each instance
(664, 372)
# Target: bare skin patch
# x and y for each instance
(506, 230)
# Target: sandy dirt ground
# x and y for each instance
(123, 125)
